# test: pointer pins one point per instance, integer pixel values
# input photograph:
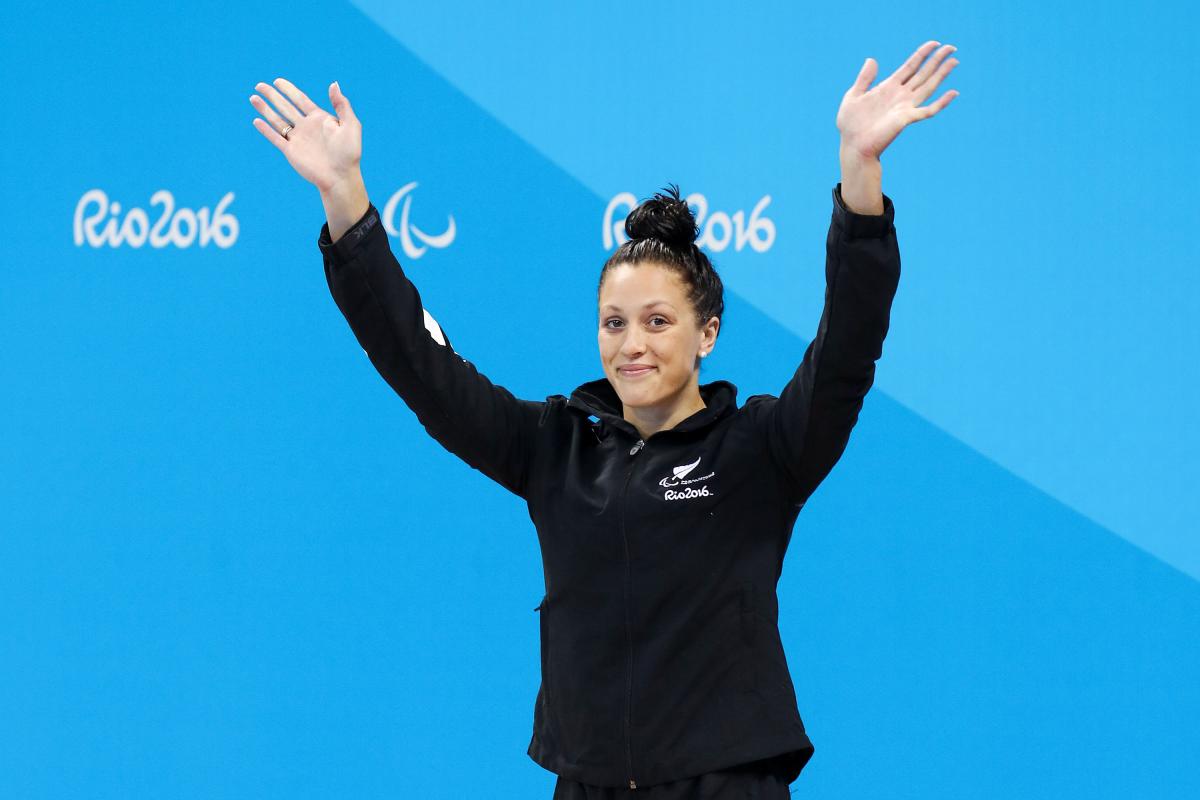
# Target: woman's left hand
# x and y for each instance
(870, 120)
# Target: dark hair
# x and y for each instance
(663, 230)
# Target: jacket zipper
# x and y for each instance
(633, 451)
(629, 625)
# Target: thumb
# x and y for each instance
(340, 104)
(865, 76)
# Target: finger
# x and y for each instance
(930, 66)
(944, 100)
(341, 105)
(296, 96)
(270, 133)
(281, 103)
(262, 107)
(921, 93)
(925, 112)
(906, 70)
(865, 75)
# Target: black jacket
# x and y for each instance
(660, 648)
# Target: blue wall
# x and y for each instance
(232, 564)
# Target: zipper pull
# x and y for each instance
(633, 452)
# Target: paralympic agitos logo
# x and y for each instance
(407, 231)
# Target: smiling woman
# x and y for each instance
(663, 509)
(660, 312)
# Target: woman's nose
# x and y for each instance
(632, 345)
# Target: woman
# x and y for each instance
(663, 509)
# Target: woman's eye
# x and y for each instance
(614, 322)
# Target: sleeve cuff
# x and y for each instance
(862, 225)
(344, 248)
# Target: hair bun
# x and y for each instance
(665, 217)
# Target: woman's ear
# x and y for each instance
(711, 329)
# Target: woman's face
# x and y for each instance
(648, 336)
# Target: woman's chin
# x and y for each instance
(636, 397)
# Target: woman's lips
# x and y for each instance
(628, 372)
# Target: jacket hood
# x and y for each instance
(598, 398)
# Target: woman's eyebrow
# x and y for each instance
(608, 306)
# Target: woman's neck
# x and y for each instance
(652, 419)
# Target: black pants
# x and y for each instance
(757, 780)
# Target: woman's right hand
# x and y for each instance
(325, 149)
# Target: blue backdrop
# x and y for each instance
(232, 564)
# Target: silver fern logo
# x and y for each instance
(679, 475)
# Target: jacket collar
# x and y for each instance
(598, 398)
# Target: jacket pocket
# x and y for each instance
(546, 697)
(748, 627)
(544, 644)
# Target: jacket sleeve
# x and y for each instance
(809, 425)
(476, 420)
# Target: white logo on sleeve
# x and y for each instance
(434, 329)
(679, 477)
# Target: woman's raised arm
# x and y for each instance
(480, 422)
(808, 428)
